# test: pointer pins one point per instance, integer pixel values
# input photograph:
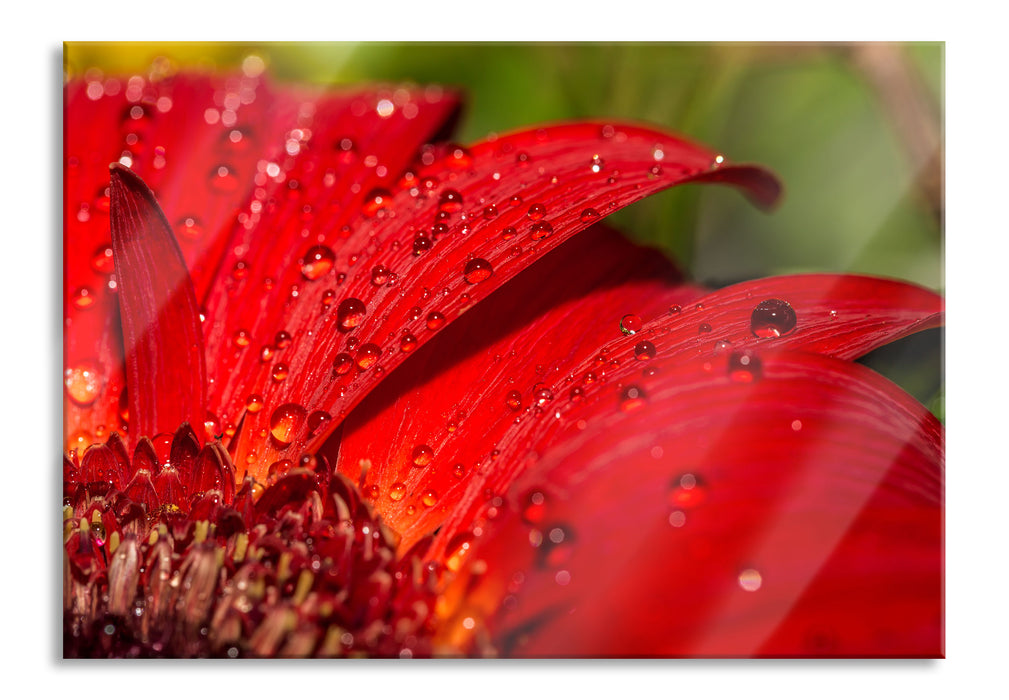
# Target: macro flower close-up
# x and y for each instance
(340, 383)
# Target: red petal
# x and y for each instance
(799, 514)
(165, 372)
(546, 184)
(164, 128)
(452, 396)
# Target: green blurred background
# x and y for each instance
(855, 131)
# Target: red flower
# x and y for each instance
(344, 443)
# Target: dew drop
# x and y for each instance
(83, 298)
(286, 421)
(350, 313)
(588, 215)
(379, 275)
(458, 471)
(458, 158)
(704, 328)
(542, 395)
(536, 211)
(450, 201)
(254, 403)
(368, 355)
(342, 363)
(377, 200)
(407, 343)
(630, 324)
(513, 400)
(189, 228)
(429, 498)
(371, 492)
(397, 491)
(534, 507)
(772, 318)
(644, 350)
(744, 367)
(422, 456)
(316, 420)
(241, 338)
(435, 320)
(632, 398)
(577, 394)
(102, 260)
(83, 383)
(280, 371)
(675, 309)
(317, 262)
(750, 580)
(489, 212)
(722, 346)
(477, 270)
(540, 230)
(421, 244)
(508, 233)
(223, 179)
(687, 491)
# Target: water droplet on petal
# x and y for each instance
(83, 298)
(254, 403)
(477, 270)
(422, 455)
(223, 179)
(102, 261)
(540, 230)
(286, 421)
(421, 244)
(722, 346)
(280, 371)
(513, 400)
(397, 491)
(435, 320)
(189, 228)
(687, 491)
(83, 383)
(350, 313)
(632, 398)
(704, 328)
(750, 580)
(368, 355)
(429, 498)
(377, 200)
(744, 367)
(588, 215)
(542, 395)
(379, 275)
(536, 211)
(644, 350)
(317, 420)
(772, 318)
(407, 343)
(630, 324)
(241, 338)
(317, 262)
(450, 201)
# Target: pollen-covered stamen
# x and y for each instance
(304, 569)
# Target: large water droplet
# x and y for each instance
(429, 498)
(477, 270)
(342, 363)
(317, 262)
(630, 324)
(772, 318)
(280, 371)
(254, 403)
(83, 383)
(286, 421)
(542, 395)
(368, 355)
(536, 211)
(421, 244)
(350, 313)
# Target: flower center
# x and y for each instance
(183, 566)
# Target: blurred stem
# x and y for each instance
(912, 111)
